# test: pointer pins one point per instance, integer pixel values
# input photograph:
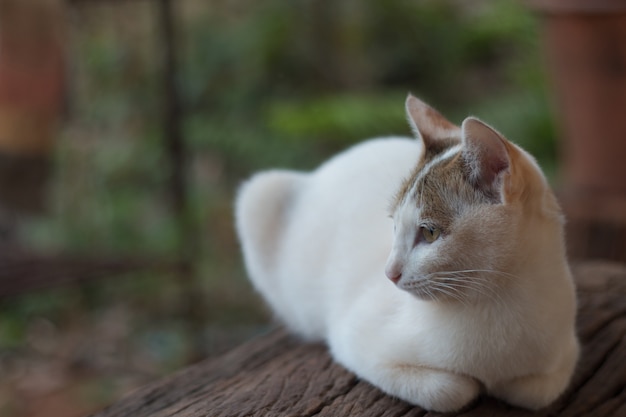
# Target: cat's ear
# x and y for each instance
(486, 154)
(428, 124)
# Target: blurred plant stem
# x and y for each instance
(177, 153)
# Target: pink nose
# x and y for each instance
(393, 274)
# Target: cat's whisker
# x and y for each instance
(451, 292)
(477, 275)
(465, 279)
(428, 292)
(488, 281)
(488, 271)
(468, 283)
(487, 291)
(432, 288)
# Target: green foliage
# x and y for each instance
(340, 119)
(12, 327)
(323, 75)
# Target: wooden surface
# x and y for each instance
(275, 375)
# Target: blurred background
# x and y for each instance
(126, 126)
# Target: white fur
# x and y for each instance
(316, 246)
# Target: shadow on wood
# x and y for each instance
(276, 375)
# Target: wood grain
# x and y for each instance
(276, 375)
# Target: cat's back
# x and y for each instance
(283, 213)
(352, 188)
(300, 231)
(375, 166)
(374, 152)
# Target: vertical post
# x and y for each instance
(172, 112)
(177, 154)
(586, 61)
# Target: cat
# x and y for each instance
(433, 267)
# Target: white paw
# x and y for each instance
(433, 389)
(532, 392)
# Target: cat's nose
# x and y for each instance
(393, 274)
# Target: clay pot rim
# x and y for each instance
(577, 6)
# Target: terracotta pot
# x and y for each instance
(31, 97)
(585, 48)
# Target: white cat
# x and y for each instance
(479, 295)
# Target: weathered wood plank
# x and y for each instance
(279, 376)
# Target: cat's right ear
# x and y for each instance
(428, 124)
(487, 156)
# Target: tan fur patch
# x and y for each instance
(445, 193)
(437, 148)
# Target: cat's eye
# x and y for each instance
(430, 234)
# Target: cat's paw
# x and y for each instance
(531, 392)
(539, 390)
(433, 389)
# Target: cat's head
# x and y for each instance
(473, 211)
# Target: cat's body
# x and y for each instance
(318, 246)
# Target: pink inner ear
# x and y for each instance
(493, 164)
(485, 151)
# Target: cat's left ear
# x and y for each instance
(487, 156)
(428, 124)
